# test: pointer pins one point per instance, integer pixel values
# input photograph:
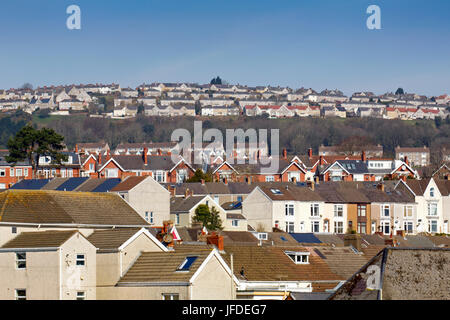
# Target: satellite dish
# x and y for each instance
(168, 238)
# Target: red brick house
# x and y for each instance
(10, 174)
(160, 167)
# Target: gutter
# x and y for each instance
(153, 284)
(72, 225)
(29, 249)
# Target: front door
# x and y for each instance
(326, 226)
(446, 226)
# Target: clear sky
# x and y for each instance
(311, 43)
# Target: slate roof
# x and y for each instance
(65, 207)
(34, 184)
(342, 260)
(3, 162)
(305, 238)
(162, 266)
(128, 184)
(292, 193)
(269, 263)
(71, 184)
(41, 239)
(178, 204)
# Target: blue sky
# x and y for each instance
(319, 44)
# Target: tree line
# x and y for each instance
(296, 134)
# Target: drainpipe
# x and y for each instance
(60, 274)
(121, 262)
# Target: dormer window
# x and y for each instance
(298, 257)
(431, 192)
(262, 236)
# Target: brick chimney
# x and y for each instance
(100, 158)
(225, 180)
(76, 148)
(380, 187)
(159, 152)
(186, 193)
(312, 185)
(216, 240)
(321, 162)
(108, 155)
(249, 180)
(146, 156)
(310, 153)
(363, 156)
(284, 154)
(406, 160)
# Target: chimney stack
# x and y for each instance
(284, 154)
(363, 156)
(159, 152)
(406, 160)
(249, 180)
(146, 156)
(100, 158)
(225, 180)
(216, 240)
(310, 153)
(321, 162)
(380, 187)
(76, 148)
(186, 193)
(108, 155)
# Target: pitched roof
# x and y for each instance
(178, 204)
(129, 183)
(269, 263)
(66, 207)
(291, 193)
(41, 239)
(111, 238)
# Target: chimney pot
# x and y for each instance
(310, 153)
(284, 154)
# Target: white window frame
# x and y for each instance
(171, 296)
(339, 226)
(298, 257)
(430, 224)
(81, 295)
(290, 226)
(20, 297)
(430, 212)
(315, 211)
(432, 192)
(11, 172)
(177, 219)
(19, 172)
(20, 261)
(338, 210)
(407, 223)
(408, 212)
(383, 225)
(314, 224)
(383, 211)
(289, 209)
(270, 178)
(235, 223)
(160, 176)
(262, 236)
